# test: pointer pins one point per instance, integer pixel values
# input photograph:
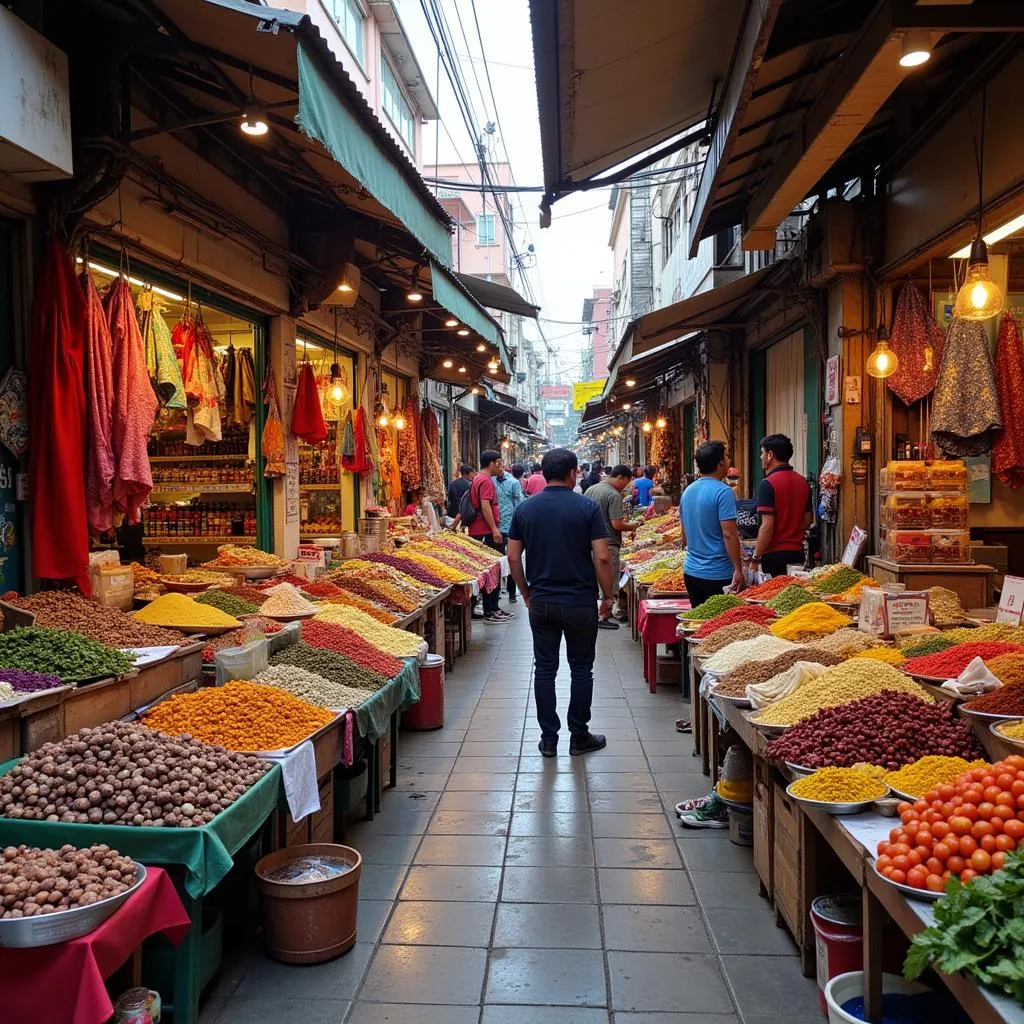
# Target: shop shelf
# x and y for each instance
(320, 487)
(185, 487)
(241, 457)
(170, 540)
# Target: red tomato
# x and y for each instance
(1014, 829)
(967, 874)
(953, 842)
(981, 861)
(956, 864)
(1006, 797)
(1004, 779)
(988, 843)
(896, 835)
(903, 806)
(935, 883)
(934, 866)
(923, 838)
(920, 806)
(942, 852)
(985, 810)
(969, 811)
(917, 876)
(901, 862)
(961, 825)
(900, 849)
(940, 829)
(992, 793)
(982, 828)
(968, 844)
(898, 876)
(883, 861)
(998, 860)
(945, 792)
(1005, 812)
(911, 827)
(1005, 843)
(1017, 789)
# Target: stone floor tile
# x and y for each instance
(469, 823)
(381, 881)
(475, 800)
(626, 803)
(488, 851)
(561, 925)
(383, 848)
(631, 886)
(667, 981)
(569, 801)
(550, 823)
(544, 1015)
(626, 826)
(729, 890)
(431, 782)
(399, 1013)
(557, 783)
(309, 1011)
(425, 974)
(710, 850)
(566, 977)
(637, 853)
(748, 929)
(370, 918)
(490, 748)
(618, 782)
(655, 929)
(481, 782)
(487, 763)
(769, 986)
(550, 851)
(436, 882)
(435, 923)
(552, 885)
(684, 1018)
(335, 980)
(425, 764)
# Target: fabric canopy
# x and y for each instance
(497, 296)
(449, 293)
(506, 413)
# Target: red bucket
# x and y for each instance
(838, 938)
(428, 711)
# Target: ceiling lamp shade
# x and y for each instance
(979, 298)
(915, 49)
(254, 122)
(415, 292)
(346, 291)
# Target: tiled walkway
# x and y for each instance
(501, 888)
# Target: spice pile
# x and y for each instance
(1007, 700)
(321, 589)
(808, 622)
(403, 564)
(714, 605)
(944, 605)
(963, 828)
(180, 611)
(313, 688)
(790, 599)
(1014, 730)
(28, 682)
(930, 643)
(193, 576)
(995, 631)
(950, 663)
(122, 773)
(63, 610)
(846, 642)
(759, 648)
(839, 786)
(770, 588)
(239, 716)
(729, 635)
(836, 582)
(1007, 668)
(756, 672)
(345, 641)
(253, 628)
(743, 613)
(329, 664)
(36, 881)
(889, 655)
(398, 642)
(362, 605)
(227, 602)
(286, 600)
(670, 583)
(929, 772)
(231, 556)
(61, 652)
(888, 729)
(839, 685)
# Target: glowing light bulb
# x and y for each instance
(447, 364)
(648, 427)
(399, 422)
(883, 361)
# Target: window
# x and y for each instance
(485, 229)
(349, 17)
(395, 104)
(670, 227)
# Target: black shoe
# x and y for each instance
(607, 624)
(548, 748)
(585, 742)
(684, 725)
(512, 598)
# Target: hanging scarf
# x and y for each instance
(272, 443)
(1008, 450)
(965, 415)
(348, 442)
(917, 341)
(390, 487)
(161, 362)
(360, 462)
(99, 390)
(57, 424)
(242, 393)
(203, 383)
(307, 416)
(135, 404)
(430, 453)
(229, 367)
(409, 461)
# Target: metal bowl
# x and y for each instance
(903, 796)
(799, 769)
(294, 617)
(854, 807)
(995, 729)
(909, 891)
(186, 588)
(988, 716)
(48, 929)
(740, 702)
(768, 730)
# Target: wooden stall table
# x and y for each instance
(433, 621)
(460, 601)
(63, 983)
(971, 583)
(656, 621)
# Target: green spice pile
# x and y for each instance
(790, 599)
(714, 605)
(329, 664)
(314, 688)
(61, 652)
(838, 581)
(227, 602)
(929, 644)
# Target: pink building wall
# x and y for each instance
(600, 313)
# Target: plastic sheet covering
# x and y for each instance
(245, 662)
(373, 717)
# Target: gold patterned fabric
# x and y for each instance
(965, 415)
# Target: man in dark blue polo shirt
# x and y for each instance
(566, 545)
(784, 501)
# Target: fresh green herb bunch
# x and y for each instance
(791, 598)
(60, 652)
(229, 603)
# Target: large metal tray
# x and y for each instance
(48, 929)
(908, 890)
(851, 807)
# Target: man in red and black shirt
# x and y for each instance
(483, 496)
(784, 502)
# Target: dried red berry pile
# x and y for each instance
(950, 663)
(890, 729)
(756, 613)
(342, 640)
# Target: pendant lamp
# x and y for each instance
(882, 362)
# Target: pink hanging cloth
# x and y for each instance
(56, 416)
(1008, 449)
(99, 393)
(135, 403)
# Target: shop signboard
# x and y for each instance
(832, 381)
(584, 391)
(557, 391)
(1011, 601)
(854, 546)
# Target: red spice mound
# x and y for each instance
(321, 588)
(756, 613)
(948, 664)
(770, 588)
(342, 640)
(1007, 700)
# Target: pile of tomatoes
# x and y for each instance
(964, 828)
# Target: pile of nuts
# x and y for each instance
(314, 688)
(35, 881)
(122, 773)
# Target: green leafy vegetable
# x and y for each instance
(979, 929)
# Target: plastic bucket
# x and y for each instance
(741, 827)
(428, 711)
(844, 987)
(838, 938)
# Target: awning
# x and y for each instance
(593, 410)
(654, 367)
(614, 81)
(288, 58)
(498, 411)
(720, 307)
(450, 293)
(497, 296)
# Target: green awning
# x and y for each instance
(454, 297)
(323, 117)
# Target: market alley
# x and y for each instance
(502, 888)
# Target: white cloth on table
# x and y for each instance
(298, 769)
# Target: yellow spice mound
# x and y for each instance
(180, 611)
(809, 621)
(839, 785)
(928, 772)
(889, 655)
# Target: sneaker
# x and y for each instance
(693, 804)
(493, 618)
(713, 815)
(548, 748)
(684, 725)
(503, 615)
(607, 624)
(585, 742)
(512, 599)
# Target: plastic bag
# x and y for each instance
(245, 662)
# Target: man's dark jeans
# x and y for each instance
(490, 599)
(549, 623)
(511, 580)
(698, 590)
(775, 563)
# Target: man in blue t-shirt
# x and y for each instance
(643, 486)
(565, 540)
(707, 511)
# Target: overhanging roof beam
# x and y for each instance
(990, 16)
(746, 64)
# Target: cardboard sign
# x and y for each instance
(883, 614)
(1011, 601)
(854, 546)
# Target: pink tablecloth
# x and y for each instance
(659, 627)
(63, 984)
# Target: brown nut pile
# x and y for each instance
(122, 773)
(35, 881)
(736, 682)
(64, 610)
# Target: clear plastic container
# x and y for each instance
(906, 510)
(947, 475)
(906, 476)
(948, 510)
(951, 546)
(907, 546)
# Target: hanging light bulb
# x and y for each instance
(462, 369)
(915, 49)
(474, 390)
(661, 423)
(447, 364)
(451, 322)
(627, 406)
(979, 298)
(399, 421)
(338, 392)
(463, 332)
(647, 426)
(415, 293)
(254, 122)
(481, 347)
(630, 382)
(383, 418)
(882, 362)
(505, 443)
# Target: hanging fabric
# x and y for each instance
(244, 388)
(1008, 449)
(390, 478)
(135, 403)
(307, 417)
(965, 414)
(57, 424)
(203, 383)
(360, 461)
(348, 441)
(917, 341)
(409, 461)
(161, 362)
(430, 454)
(99, 392)
(229, 367)
(272, 443)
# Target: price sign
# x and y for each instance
(905, 610)
(1011, 601)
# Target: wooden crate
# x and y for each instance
(92, 705)
(153, 681)
(764, 827)
(10, 739)
(791, 875)
(327, 749)
(384, 769)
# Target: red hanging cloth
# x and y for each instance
(361, 461)
(1008, 449)
(56, 415)
(917, 341)
(307, 415)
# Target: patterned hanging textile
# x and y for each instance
(965, 415)
(161, 361)
(1008, 450)
(203, 381)
(272, 442)
(307, 416)
(430, 453)
(409, 462)
(917, 341)
(99, 392)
